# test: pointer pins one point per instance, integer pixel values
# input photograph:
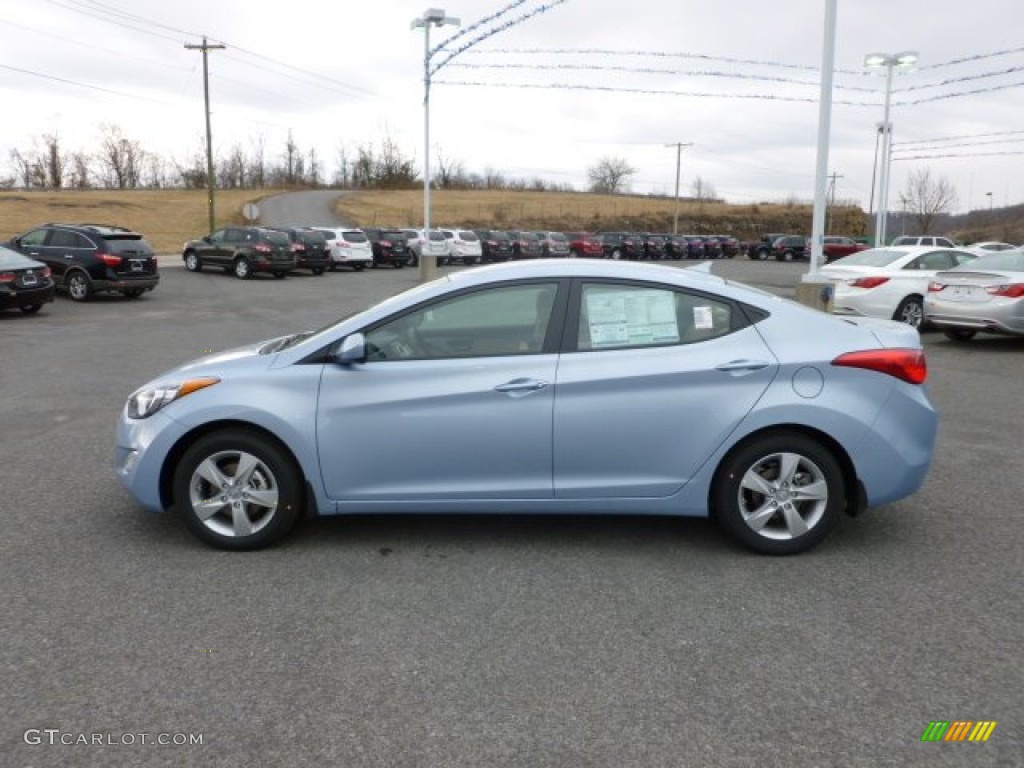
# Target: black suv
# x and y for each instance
(390, 246)
(622, 245)
(495, 245)
(88, 258)
(790, 247)
(243, 251)
(310, 246)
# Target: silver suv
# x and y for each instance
(943, 242)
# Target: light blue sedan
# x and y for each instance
(554, 386)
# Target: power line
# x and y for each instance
(963, 155)
(955, 145)
(963, 136)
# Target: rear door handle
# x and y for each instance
(742, 366)
(520, 387)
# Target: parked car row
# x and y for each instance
(955, 290)
(78, 259)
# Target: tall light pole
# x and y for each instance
(679, 152)
(890, 62)
(432, 17)
(206, 48)
(989, 200)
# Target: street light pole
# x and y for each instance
(432, 17)
(890, 62)
(679, 152)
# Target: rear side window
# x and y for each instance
(615, 316)
(63, 238)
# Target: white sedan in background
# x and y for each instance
(889, 282)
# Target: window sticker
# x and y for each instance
(703, 319)
(623, 318)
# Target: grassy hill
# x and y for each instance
(169, 217)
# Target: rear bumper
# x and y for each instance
(25, 297)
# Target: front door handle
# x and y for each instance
(742, 366)
(520, 387)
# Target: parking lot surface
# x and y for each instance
(483, 641)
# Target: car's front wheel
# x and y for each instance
(243, 270)
(779, 494)
(192, 262)
(238, 489)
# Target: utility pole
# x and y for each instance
(831, 196)
(205, 48)
(679, 152)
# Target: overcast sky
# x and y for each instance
(739, 80)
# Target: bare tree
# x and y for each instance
(55, 161)
(80, 171)
(313, 170)
(23, 165)
(450, 173)
(342, 169)
(610, 176)
(258, 163)
(120, 160)
(926, 197)
(702, 190)
(292, 160)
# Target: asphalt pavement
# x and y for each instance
(482, 641)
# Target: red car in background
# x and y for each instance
(585, 245)
(835, 247)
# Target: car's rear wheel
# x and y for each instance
(762, 254)
(238, 489)
(959, 334)
(787, 255)
(243, 270)
(318, 271)
(192, 262)
(398, 264)
(358, 267)
(910, 311)
(778, 494)
(31, 309)
(79, 286)
(616, 254)
(280, 275)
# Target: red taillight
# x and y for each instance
(934, 287)
(7, 277)
(868, 282)
(905, 364)
(110, 260)
(1010, 291)
(262, 248)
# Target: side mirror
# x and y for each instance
(353, 350)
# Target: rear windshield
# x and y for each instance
(876, 257)
(499, 236)
(1009, 261)
(312, 238)
(354, 237)
(557, 236)
(465, 234)
(277, 238)
(134, 244)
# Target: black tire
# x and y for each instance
(358, 267)
(780, 522)
(318, 271)
(79, 286)
(280, 275)
(133, 293)
(31, 309)
(959, 334)
(192, 262)
(762, 254)
(616, 254)
(232, 519)
(788, 255)
(333, 267)
(242, 268)
(911, 312)
(398, 263)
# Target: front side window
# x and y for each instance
(504, 320)
(622, 316)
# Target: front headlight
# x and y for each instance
(148, 400)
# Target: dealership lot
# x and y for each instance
(470, 641)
